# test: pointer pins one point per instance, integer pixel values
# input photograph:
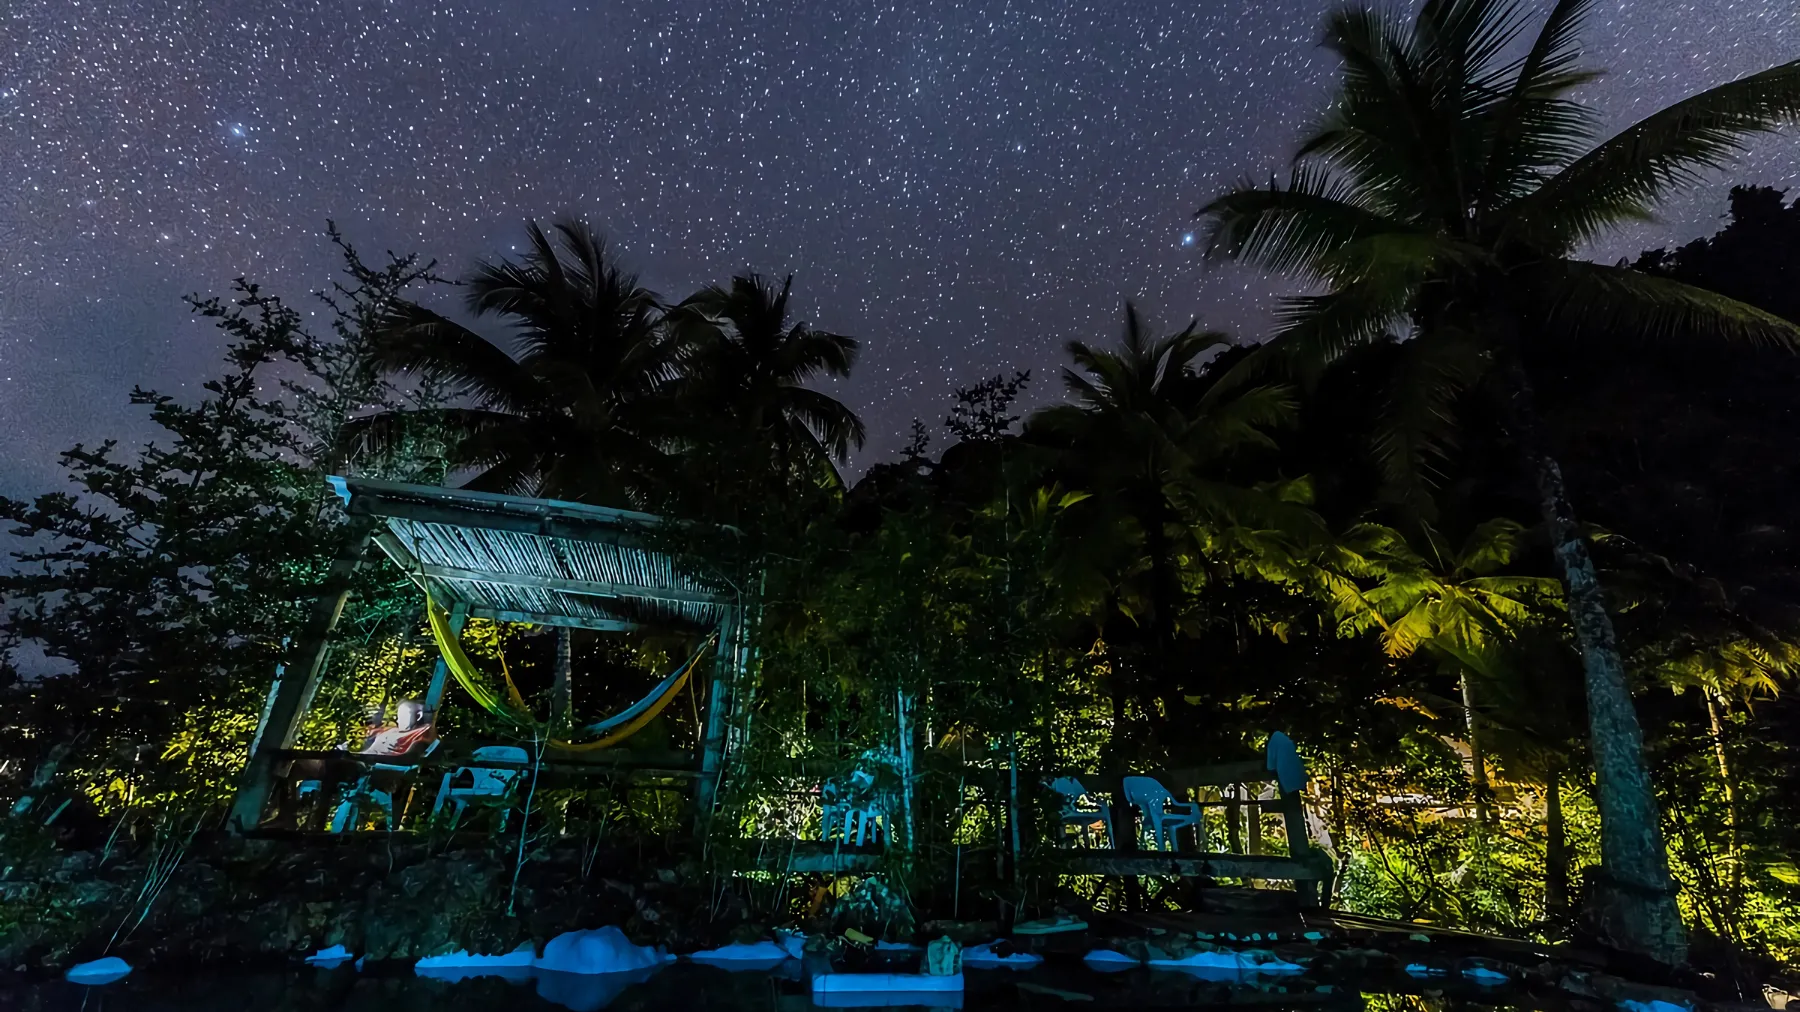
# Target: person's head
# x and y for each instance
(410, 714)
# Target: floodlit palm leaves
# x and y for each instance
(577, 407)
(752, 363)
(1447, 190)
(1455, 603)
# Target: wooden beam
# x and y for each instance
(493, 614)
(540, 526)
(1145, 862)
(297, 678)
(586, 588)
(400, 494)
(496, 512)
(718, 701)
(1253, 771)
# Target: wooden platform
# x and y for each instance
(1191, 865)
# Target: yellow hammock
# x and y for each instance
(616, 729)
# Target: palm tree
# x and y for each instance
(1141, 428)
(577, 408)
(1447, 187)
(748, 376)
(1454, 604)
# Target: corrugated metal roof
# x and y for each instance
(518, 559)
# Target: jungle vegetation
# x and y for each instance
(1499, 535)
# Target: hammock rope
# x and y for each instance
(514, 710)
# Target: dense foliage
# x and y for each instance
(1342, 534)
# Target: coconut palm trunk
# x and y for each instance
(1631, 900)
(1484, 791)
(1733, 857)
(1556, 849)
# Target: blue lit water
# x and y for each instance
(684, 986)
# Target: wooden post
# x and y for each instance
(1012, 804)
(1234, 821)
(1253, 826)
(434, 696)
(903, 705)
(712, 756)
(296, 683)
(1300, 846)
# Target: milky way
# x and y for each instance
(966, 186)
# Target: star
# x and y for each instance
(924, 169)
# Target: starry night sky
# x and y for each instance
(965, 185)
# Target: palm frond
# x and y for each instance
(1312, 331)
(1245, 419)
(1418, 428)
(1622, 178)
(1489, 547)
(1579, 297)
(837, 428)
(1372, 132)
(413, 339)
(1537, 128)
(809, 352)
(1293, 227)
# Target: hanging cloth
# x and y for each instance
(613, 730)
(450, 648)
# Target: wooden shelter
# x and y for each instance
(508, 559)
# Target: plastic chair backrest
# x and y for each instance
(1072, 792)
(1284, 761)
(485, 781)
(1148, 794)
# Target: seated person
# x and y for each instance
(409, 736)
(412, 731)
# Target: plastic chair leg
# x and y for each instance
(346, 810)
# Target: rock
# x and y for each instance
(1109, 960)
(943, 958)
(1231, 963)
(604, 950)
(740, 955)
(330, 957)
(987, 957)
(454, 966)
(104, 970)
